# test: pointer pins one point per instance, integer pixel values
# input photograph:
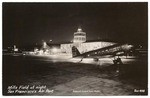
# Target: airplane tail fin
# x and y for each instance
(75, 52)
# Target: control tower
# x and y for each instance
(79, 36)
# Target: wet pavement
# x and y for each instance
(71, 77)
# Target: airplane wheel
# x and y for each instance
(115, 62)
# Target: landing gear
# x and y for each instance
(117, 63)
(81, 59)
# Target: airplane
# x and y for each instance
(109, 51)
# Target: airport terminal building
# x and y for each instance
(82, 45)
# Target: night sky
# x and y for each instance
(30, 23)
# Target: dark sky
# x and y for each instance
(30, 23)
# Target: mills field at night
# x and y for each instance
(75, 49)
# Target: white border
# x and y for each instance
(74, 0)
(68, 1)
